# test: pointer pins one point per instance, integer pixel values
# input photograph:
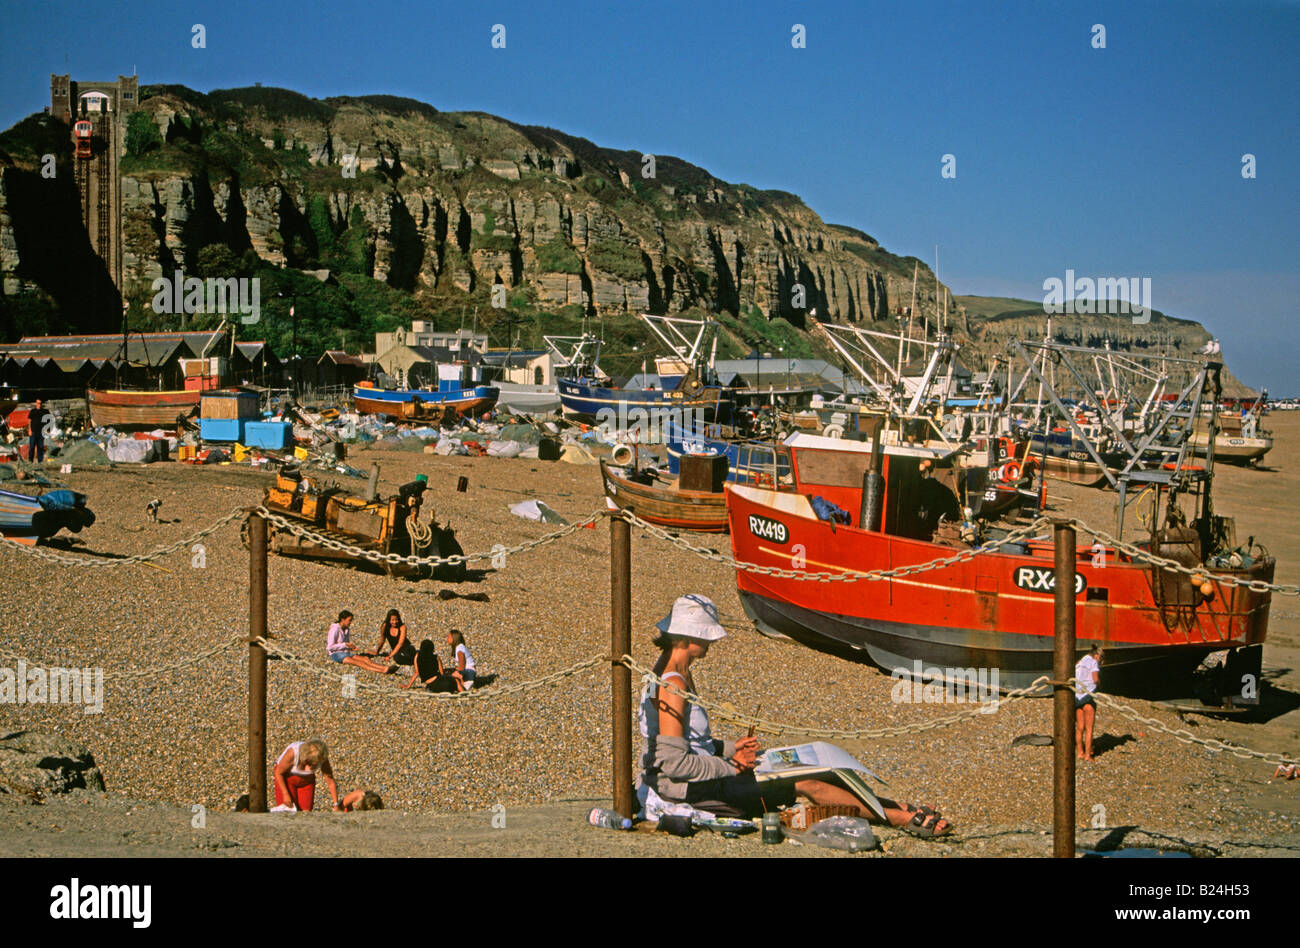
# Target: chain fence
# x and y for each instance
(91, 562)
(203, 655)
(320, 670)
(375, 556)
(497, 553)
(1173, 566)
(846, 575)
(723, 710)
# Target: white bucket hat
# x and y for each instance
(693, 617)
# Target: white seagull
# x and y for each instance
(1211, 348)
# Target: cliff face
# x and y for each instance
(440, 204)
(436, 202)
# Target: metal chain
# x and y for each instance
(324, 671)
(729, 713)
(144, 672)
(47, 554)
(297, 529)
(723, 710)
(848, 575)
(1186, 736)
(1015, 536)
(1173, 566)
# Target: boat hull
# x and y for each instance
(1233, 450)
(1075, 471)
(994, 611)
(140, 410)
(25, 519)
(420, 405)
(537, 399)
(667, 507)
(584, 401)
(1020, 659)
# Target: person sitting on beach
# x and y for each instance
(362, 799)
(392, 633)
(338, 646)
(295, 775)
(1087, 675)
(465, 671)
(429, 671)
(682, 763)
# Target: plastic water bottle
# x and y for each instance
(608, 819)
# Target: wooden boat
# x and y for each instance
(384, 526)
(994, 610)
(124, 410)
(424, 404)
(1064, 458)
(1082, 471)
(27, 519)
(667, 506)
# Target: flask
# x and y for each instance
(608, 819)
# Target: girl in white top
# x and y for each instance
(465, 671)
(1087, 675)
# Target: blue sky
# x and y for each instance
(1122, 161)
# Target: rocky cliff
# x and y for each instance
(441, 202)
(442, 207)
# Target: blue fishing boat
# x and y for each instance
(27, 519)
(688, 387)
(748, 462)
(585, 399)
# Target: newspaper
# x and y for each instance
(821, 760)
(800, 758)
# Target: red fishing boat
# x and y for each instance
(996, 609)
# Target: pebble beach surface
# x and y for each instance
(177, 736)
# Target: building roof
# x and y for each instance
(512, 358)
(339, 357)
(150, 351)
(253, 351)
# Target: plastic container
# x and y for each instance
(850, 833)
(272, 435)
(608, 819)
(222, 429)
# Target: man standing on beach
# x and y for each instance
(1087, 674)
(36, 419)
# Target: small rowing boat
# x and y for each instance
(666, 506)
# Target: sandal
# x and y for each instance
(924, 822)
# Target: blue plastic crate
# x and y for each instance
(222, 429)
(272, 435)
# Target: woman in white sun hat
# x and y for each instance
(683, 763)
